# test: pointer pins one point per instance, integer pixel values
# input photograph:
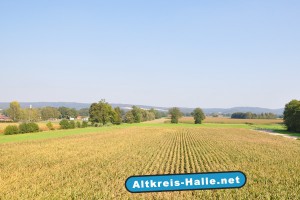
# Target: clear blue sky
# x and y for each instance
(162, 53)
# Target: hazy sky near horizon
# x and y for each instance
(161, 53)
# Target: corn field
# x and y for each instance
(96, 165)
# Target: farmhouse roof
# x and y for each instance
(4, 118)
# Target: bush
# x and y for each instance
(11, 129)
(23, 128)
(28, 127)
(64, 124)
(72, 124)
(78, 125)
(50, 126)
(33, 127)
(84, 124)
(108, 124)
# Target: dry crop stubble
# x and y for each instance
(223, 120)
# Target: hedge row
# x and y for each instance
(33, 127)
(66, 124)
(22, 128)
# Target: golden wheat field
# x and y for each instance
(223, 120)
(96, 165)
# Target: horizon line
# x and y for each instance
(146, 105)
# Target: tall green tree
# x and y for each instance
(94, 113)
(66, 113)
(156, 114)
(129, 118)
(83, 112)
(198, 115)
(117, 116)
(49, 113)
(14, 111)
(291, 115)
(175, 114)
(101, 112)
(137, 114)
(30, 115)
(5, 112)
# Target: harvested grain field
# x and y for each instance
(96, 165)
(223, 120)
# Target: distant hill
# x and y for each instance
(78, 106)
(45, 104)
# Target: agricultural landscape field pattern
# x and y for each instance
(95, 165)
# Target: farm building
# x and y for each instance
(3, 118)
(79, 117)
(82, 118)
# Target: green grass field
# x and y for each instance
(93, 163)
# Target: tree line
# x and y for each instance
(31, 127)
(16, 113)
(102, 113)
(250, 115)
(99, 113)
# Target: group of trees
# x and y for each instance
(99, 113)
(137, 115)
(158, 114)
(67, 113)
(50, 113)
(291, 116)
(250, 115)
(197, 113)
(16, 113)
(103, 113)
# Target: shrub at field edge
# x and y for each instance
(11, 129)
(30, 127)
